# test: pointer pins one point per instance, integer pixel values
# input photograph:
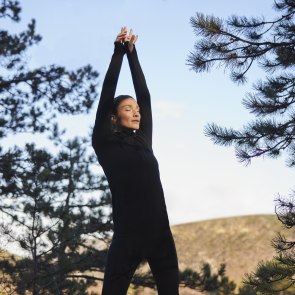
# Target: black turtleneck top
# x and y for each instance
(127, 158)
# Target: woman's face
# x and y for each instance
(128, 114)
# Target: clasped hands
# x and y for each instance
(124, 37)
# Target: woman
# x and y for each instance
(122, 140)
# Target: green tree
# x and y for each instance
(53, 211)
(204, 280)
(208, 282)
(277, 275)
(30, 99)
(247, 290)
(238, 43)
(47, 202)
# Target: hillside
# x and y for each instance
(240, 242)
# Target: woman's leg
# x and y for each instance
(163, 262)
(123, 258)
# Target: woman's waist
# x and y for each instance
(141, 229)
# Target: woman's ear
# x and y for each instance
(114, 118)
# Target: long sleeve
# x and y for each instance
(142, 95)
(102, 122)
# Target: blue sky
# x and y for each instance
(200, 180)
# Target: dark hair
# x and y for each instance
(117, 101)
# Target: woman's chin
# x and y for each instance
(134, 126)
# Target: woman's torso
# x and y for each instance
(133, 175)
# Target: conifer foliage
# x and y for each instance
(278, 274)
(53, 211)
(53, 204)
(30, 98)
(236, 44)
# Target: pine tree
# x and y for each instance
(204, 280)
(30, 99)
(277, 275)
(236, 44)
(53, 211)
(50, 203)
(208, 282)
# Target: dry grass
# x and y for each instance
(6, 286)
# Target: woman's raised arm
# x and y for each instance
(141, 89)
(102, 122)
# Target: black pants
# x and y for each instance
(125, 254)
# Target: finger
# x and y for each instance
(120, 37)
(135, 39)
(122, 34)
(130, 33)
